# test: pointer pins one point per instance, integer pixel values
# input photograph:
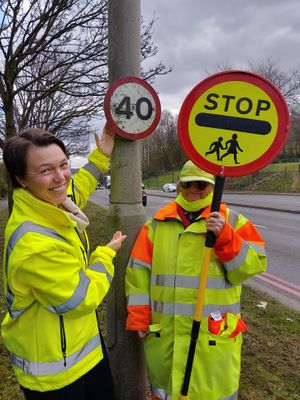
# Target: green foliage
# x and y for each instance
(280, 178)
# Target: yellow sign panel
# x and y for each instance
(233, 123)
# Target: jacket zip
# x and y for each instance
(63, 338)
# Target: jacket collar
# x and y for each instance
(170, 212)
(30, 207)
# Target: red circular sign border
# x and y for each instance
(262, 161)
(112, 88)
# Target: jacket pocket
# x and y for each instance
(227, 325)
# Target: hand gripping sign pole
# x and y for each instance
(231, 124)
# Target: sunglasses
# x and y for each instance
(200, 184)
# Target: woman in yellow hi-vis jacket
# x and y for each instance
(52, 285)
(162, 282)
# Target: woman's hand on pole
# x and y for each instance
(106, 142)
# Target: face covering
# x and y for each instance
(193, 206)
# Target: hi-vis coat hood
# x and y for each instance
(162, 281)
(53, 287)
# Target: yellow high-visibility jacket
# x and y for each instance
(52, 288)
(162, 281)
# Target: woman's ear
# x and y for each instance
(21, 182)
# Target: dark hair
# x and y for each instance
(15, 150)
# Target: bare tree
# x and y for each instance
(288, 82)
(53, 66)
(162, 151)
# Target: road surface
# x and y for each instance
(277, 217)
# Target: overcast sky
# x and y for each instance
(195, 36)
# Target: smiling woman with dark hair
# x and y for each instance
(53, 286)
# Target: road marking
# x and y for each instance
(280, 283)
(260, 226)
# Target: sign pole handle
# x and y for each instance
(209, 243)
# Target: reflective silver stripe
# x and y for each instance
(99, 267)
(135, 263)
(93, 170)
(188, 282)
(27, 227)
(188, 310)
(161, 394)
(258, 248)
(240, 258)
(153, 224)
(78, 296)
(24, 228)
(78, 192)
(232, 218)
(54, 367)
(219, 283)
(232, 397)
(138, 300)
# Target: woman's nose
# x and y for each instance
(59, 174)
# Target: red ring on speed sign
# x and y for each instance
(132, 107)
(187, 128)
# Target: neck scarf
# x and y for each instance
(75, 214)
(194, 205)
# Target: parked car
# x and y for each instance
(144, 195)
(169, 187)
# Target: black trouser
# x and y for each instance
(97, 384)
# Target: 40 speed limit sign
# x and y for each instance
(132, 107)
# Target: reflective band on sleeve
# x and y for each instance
(24, 228)
(135, 263)
(99, 267)
(54, 367)
(188, 310)
(153, 224)
(93, 170)
(78, 192)
(258, 248)
(138, 300)
(232, 218)
(27, 227)
(188, 282)
(240, 258)
(78, 296)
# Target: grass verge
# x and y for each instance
(271, 349)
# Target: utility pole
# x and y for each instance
(125, 212)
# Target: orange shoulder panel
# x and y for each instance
(143, 247)
(249, 233)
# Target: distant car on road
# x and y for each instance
(169, 187)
